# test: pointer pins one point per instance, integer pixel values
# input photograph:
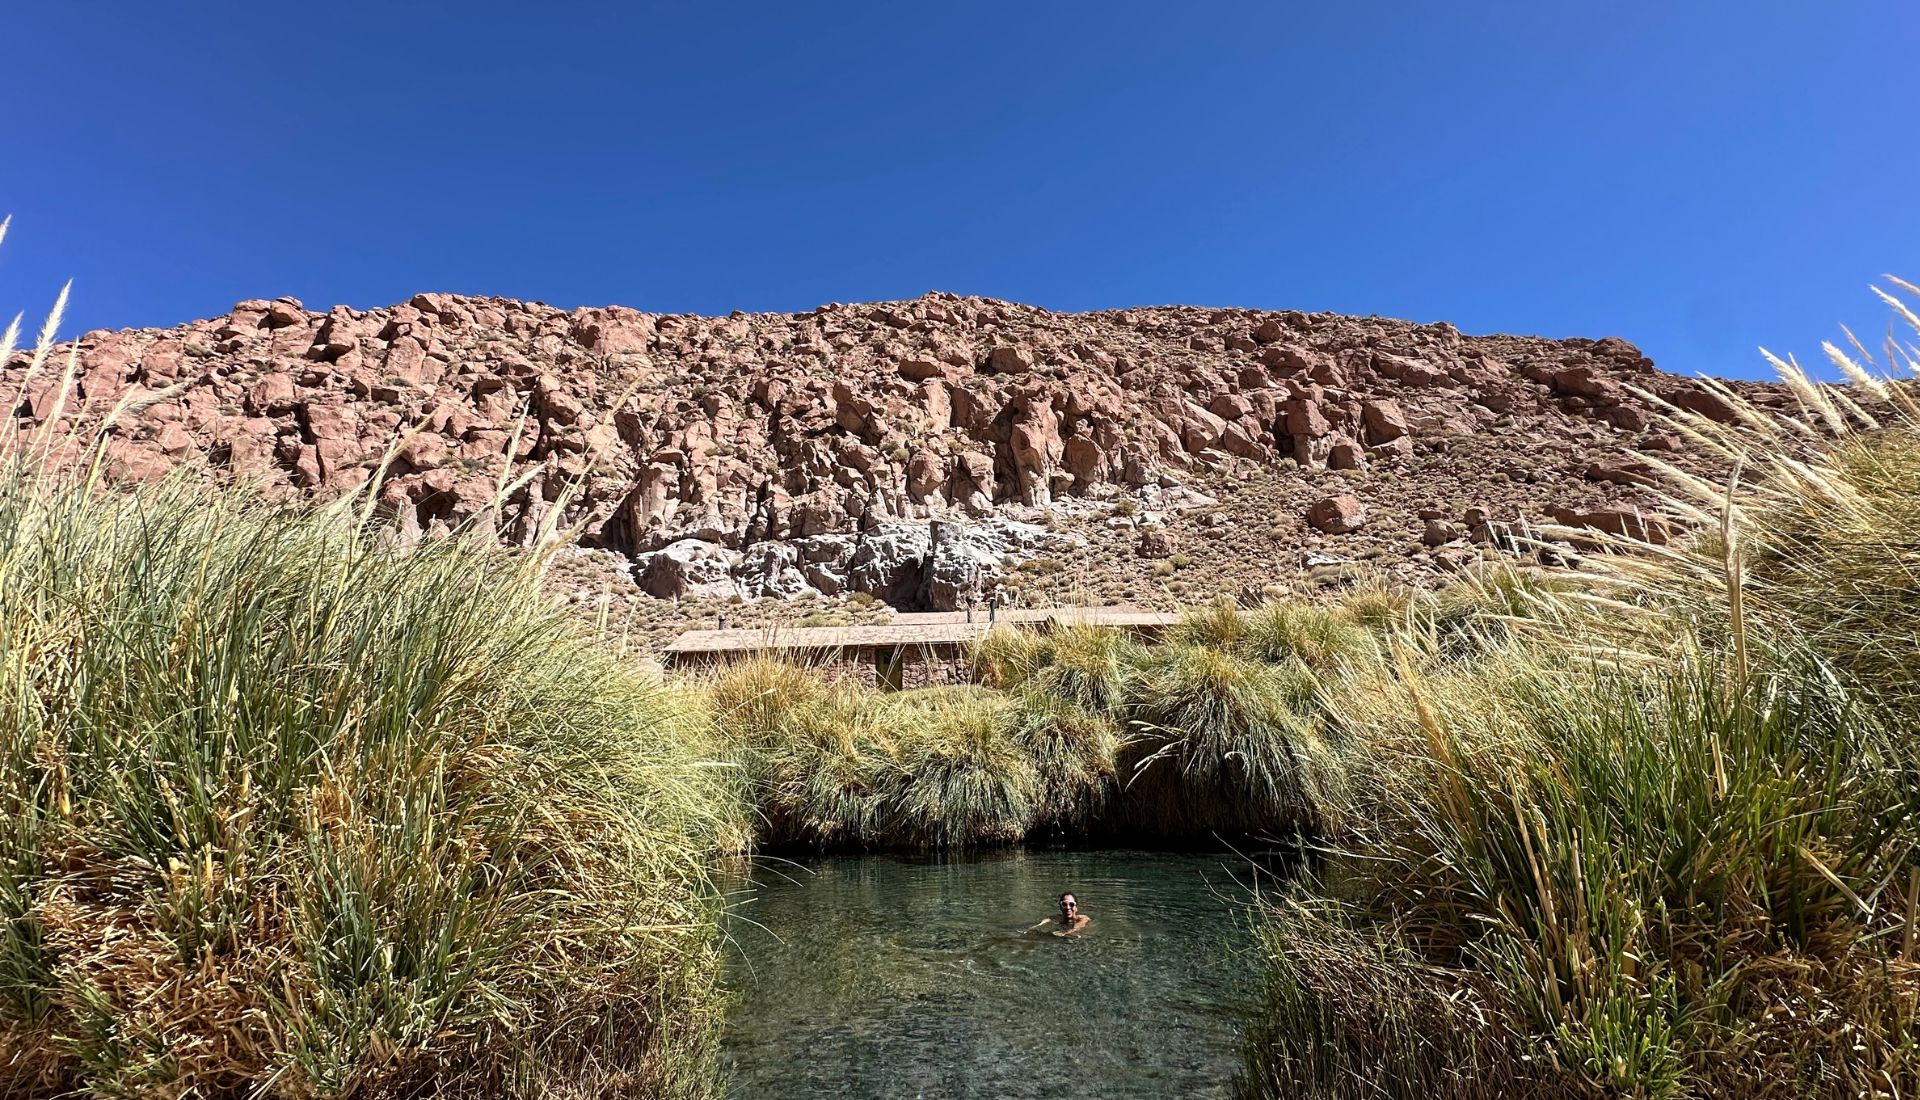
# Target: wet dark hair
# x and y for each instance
(1069, 894)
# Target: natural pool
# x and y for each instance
(884, 976)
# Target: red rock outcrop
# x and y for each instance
(645, 430)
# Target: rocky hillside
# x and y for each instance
(801, 456)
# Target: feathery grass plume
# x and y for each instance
(1481, 611)
(1858, 375)
(1674, 873)
(1828, 554)
(1906, 312)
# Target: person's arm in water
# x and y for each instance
(1036, 927)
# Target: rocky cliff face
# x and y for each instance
(770, 454)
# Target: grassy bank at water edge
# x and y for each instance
(285, 811)
(1658, 836)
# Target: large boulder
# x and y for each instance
(1008, 359)
(1156, 542)
(615, 330)
(957, 566)
(1303, 417)
(889, 563)
(825, 559)
(1586, 381)
(1706, 404)
(774, 569)
(971, 483)
(1034, 441)
(1626, 522)
(687, 568)
(1337, 515)
(1384, 421)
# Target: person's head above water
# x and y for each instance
(1071, 919)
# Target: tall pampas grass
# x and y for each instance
(288, 811)
(1656, 832)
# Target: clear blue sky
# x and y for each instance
(1698, 176)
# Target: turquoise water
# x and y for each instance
(883, 976)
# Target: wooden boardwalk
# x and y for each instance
(925, 628)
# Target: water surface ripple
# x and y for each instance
(884, 976)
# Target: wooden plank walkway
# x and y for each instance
(911, 628)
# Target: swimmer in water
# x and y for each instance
(1072, 921)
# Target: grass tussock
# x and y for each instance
(1319, 637)
(1225, 743)
(1653, 835)
(1078, 732)
(286, 811)
(832, 766)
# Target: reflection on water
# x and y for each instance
(881, 976)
